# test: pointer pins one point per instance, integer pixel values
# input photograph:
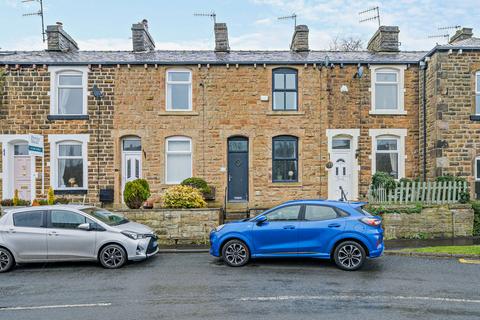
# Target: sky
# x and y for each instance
(252, 24)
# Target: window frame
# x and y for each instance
(477, 178)
(477, 93)
(286, 138)
(400, 135)
(55, 73)
(190, 152)
(170, 82)
(285, 71)
(400, 71)
(55, 141)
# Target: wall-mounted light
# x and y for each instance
(343, 89)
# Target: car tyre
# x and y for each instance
(7, 262)
(112, 256)
(235, 253)
(349, 255)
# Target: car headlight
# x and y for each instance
(133, 235)
(220, 227)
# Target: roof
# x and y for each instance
(168, 57)
(466, 43)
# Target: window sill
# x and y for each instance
(286, 184)
(388, 113)
(178, 113)
(475, 117)
(53, 117)
(70, 191)
(286, 113)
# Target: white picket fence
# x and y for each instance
(425, 192)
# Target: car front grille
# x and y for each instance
(152, 244)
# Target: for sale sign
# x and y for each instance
(35, 145)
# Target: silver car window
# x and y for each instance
(66, 219)
(30, 219)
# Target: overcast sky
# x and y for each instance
(252, 24)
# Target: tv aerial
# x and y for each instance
(38, 13)
(370, 15)
(212, 15)
(293, 17)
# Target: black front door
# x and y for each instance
(238, 169)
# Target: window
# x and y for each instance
(29, 219)
(284, 213)
(132, 144)
(20, 150)
(179, 159)
(477, 93)
(65, 219)
(285, 159)
(340, 143)
(179, 90)
(68, 91)
(388, 151)
(317, 213)
(477, 169)
(69, 161)
(285, 89)
(387, 90)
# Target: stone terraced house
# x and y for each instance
(260, 126)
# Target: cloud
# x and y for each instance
(265, 21)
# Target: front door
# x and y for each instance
(22, 171)
(238, 169)
(131, 160)
(341, 174)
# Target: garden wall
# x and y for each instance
(447, 221)
(178, 226)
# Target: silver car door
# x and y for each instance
(65, 241)
(27, 235)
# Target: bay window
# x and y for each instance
(178, 152)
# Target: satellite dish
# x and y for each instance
(96, 92)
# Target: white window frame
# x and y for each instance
(55, 72)
(58, 139)
(400, 71)
(399, 134)
(477, 158)
(177, 138)
(477, 92)
(169, 82)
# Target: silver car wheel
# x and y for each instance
(236, 254)
(113, 257)
(349, 256)
(4, 260)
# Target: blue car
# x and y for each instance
(322, 229)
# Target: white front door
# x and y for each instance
(341, 175)
(132, 167)
(22, 171)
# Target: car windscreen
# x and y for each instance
(107, 217)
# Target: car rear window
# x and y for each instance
(363, 211)
(31, 219)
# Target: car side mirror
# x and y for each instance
(261, 220)
(85, 226)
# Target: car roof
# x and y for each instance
(335, 203)
(50, 207)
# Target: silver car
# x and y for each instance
(72, 233)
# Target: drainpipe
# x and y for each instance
(424, 107)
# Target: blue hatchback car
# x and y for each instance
(323, 229)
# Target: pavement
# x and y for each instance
(198, 286)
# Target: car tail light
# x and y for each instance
(373, 222)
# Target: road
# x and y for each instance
(197, 286)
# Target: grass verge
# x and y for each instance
(467, 250)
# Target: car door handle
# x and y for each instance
(334, 225)
(53, 233)
(11, 230)
(289, 227)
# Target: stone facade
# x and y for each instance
(177, 226)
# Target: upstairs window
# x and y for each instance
(387, 90)
(477, 93)
(179, 90)
(285, 159)
(68, 91)
(285, 89)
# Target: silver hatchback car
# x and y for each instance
(72, 233)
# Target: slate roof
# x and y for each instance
(204, 57)
(466, 43)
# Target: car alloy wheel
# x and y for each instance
(113, 256)
(235, 253)
(349, 255)
(6, 260)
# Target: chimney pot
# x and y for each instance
(141, 39)
(461, 34)
(59, 40)
(385, 39)
(221, 37)
(300, 39)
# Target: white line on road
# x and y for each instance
(59, 306)
(355, 297)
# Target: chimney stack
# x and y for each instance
(141, 38)
(59, 40)
(385, 39)
(300, 39)
(221, 37)
(461, 34)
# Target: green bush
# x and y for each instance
(198, 183)
(10, 203)
(476, 218)
(449, 178)
(61, 201)
(388, 209)
(136, 193)
(384, 180)
(183, 197)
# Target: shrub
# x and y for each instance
(198, 183)
(50, 196)
(476, 218)
(384, 180)
(16, 199)
(135, 193)
(183, 197)
(6, 203)
(11, 203)
(449, 178)
(61, 201)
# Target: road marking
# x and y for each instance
(469, 261)
(58, 306)
(354, 297)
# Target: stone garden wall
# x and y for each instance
(178, 226)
